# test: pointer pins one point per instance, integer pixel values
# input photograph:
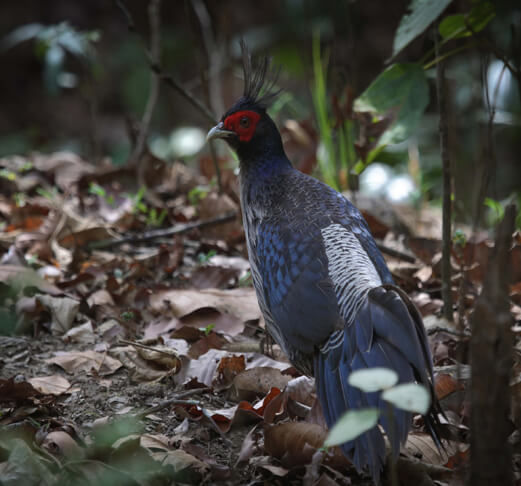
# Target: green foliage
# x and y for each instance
(205, 257)
(336, 156)
(8, 174)
(127, 316)
(497, 210)
(197, 194)
(325, 159)
(459, 238)
(411, 397)
(463, 25)
(52, 43)
(208, 329)
(97, 190)
(402, 89)
(422, 14)
(373, 379)
(350, 425)
(49, 194)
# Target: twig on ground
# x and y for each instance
(144, 346)
(152, 235)
(178, 399)
(447, 203)
(395, 253)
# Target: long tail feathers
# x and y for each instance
(388, 332)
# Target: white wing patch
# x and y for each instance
(350, 269)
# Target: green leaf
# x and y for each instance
(19, 35)
(411, 397)
(401, 89)
(422, 14)
(457, 26)
(373, 379)
(350, 425)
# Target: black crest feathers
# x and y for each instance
(255, 79)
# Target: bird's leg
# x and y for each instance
(266, 345)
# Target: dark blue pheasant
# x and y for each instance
(324, 289)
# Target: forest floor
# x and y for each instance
(145, 360)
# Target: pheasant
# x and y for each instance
(326, 294)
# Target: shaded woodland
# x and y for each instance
(132, 347)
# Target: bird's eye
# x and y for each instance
(244, 122)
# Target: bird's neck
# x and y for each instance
(261, 179)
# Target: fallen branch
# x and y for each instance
(396, 253)
(161, 233)
(177, 400)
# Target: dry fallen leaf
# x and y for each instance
(50, 385)
(139, 368)
(63, 311)
(61, 444)
(80, 334)
(187, 468)
(85, 362)
(258, 381)
(240, 303)
(204, 368)
(294, 443)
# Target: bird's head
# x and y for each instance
(246, 126)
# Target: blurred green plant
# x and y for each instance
(410, 397)
(154, 217)
(197, 194)
(52, 43)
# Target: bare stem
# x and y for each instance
(155, 54)
(168, 79)
(447, 210)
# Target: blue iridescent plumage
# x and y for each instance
(327, 295)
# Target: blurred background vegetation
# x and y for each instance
(75, 78)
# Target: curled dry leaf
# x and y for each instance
(204, 368)
(445, 384)
(187, 468)
(63, 311)
(212, 277)
(161, 355)
(240, 303)
(294, 443)
(140, 369)
(61, 444)
(250, 445)
(258, 381)
(214, 205)
(11, 390)
(82, 238)
(421, 446)
(265, 462)
(84, 362)
(26, 277)
(302, 389)
(50, 385)
(238, 415)
(83, 333)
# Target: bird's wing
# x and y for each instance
(296, 288)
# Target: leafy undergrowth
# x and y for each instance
(144, 360)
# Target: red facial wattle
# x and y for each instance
(243, 123)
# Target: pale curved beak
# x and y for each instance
(218, 131)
